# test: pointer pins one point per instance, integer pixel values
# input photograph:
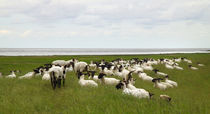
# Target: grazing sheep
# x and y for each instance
(84, 82)
(193, 68)
(107, 81)
(108, 72)
(12, 75)
(165, 97)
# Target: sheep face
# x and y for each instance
(101, 75)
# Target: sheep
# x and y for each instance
(27, 75)
(165, 97)
(144, 76)
(92, 66)
(170, 81)
(57, 74)
(178, 60)
(79, 66)
(60, 62)
(165, 83)
(107, 81)
(139, 93)
(169, 66)
(193, 68)
(83, 82)
(188, 61)
(108, 72)
(199, 64)
(177, 67)
(46, 76)
(92, 75)
(159, 85)
(12, 75)
(159, 73)
(147, 67)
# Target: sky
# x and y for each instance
(104, 23)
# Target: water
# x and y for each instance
(94, 51)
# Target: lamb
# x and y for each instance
(170, 81)
(84, 82)
(108, 81)
(165, 97)
(144, 76)
(12, 75)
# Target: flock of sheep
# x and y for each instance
(97, 72)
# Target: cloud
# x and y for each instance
(26, 33)
(4, 32)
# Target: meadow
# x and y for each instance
(192, 96)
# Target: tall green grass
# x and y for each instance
(36, 96)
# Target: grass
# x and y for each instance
(36, 96)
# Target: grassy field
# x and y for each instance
(36, 96)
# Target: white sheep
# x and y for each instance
(28, 75)
(169, 66)
(84, 82)
(144, 76)
(12, 75)
(170, 81)
(46, 76)
(159, 73)
(92, 75)
(136, 92)
(165, 97)
(60, 62)
(159, 85)
(107, 81)
(193, 68)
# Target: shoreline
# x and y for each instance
(121, 54)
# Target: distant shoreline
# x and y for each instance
(97, 51)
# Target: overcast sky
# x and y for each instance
(104, 23)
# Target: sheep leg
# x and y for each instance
(59, 83)
(55, 81)
(63, 81)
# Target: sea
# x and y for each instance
(96, 51)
